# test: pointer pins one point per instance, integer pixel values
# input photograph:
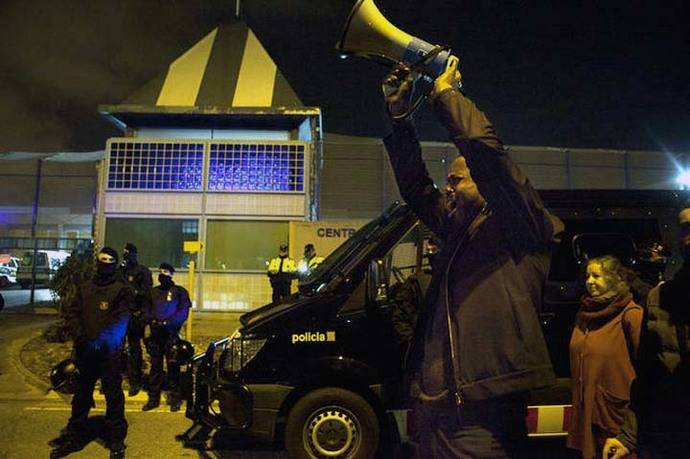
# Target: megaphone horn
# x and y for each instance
(369, 34)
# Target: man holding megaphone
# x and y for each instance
(478, 347)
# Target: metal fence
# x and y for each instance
(47, 203)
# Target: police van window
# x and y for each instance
(156, 238)
(564, 266)
(402, 260)
(243, 245)
(356, 301)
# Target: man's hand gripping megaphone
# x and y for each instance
(398, 87)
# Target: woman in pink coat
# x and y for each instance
(602, 350)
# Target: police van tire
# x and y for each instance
(332, 423)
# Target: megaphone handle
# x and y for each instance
(415, 106)
(417, 103)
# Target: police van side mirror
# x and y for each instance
(377, 281)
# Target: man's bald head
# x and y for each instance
(461, 190)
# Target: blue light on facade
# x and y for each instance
(155, 166)
(175, 166)
(256, 167)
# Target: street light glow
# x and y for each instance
(684, 178)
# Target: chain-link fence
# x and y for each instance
(46, 212)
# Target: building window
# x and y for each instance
(243, 245)
(157, 240)
(155, 166)
(256, 167)
(190, 227)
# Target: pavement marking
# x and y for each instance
(100, 410)
(140, 397)
(97, 396)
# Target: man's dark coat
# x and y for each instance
(488, 288)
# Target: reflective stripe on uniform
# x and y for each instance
(288, 265)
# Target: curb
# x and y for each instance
(15, 358)
(34, 380)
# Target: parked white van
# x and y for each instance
(8, 269)
(47, 264)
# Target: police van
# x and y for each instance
(322, 371)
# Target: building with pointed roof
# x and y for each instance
(217, 148)
(227, 68)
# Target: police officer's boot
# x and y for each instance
(66, 444)
(153, 402)
(134, 388)
(117, 450)
(175, 402)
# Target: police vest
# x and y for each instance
(305, 267)
(288, 265)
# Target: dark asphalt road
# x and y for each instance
(29, 417)
(27, 426)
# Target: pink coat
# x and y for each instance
(601, 374)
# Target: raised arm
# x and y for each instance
(504, 186)
(405, 153)
(412, 177)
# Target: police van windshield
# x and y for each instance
(337, 258)
(27, 259)
(344, 248)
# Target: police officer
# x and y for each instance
(97, 320)
(139, 278)
(281, 271)
(170, 305)
(310, 261)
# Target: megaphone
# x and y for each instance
(369, 34)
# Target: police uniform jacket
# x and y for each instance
(281, 274)
(140, 279)
(307, 266)
(98, 316)
(170, 306)
(479, 334)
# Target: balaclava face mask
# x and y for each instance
(104, 269)
(130, 258)
(165, 281)
(129, 254)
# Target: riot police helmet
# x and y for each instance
(64, 377)
(183, 351)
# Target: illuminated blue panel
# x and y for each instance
(256, 167)
(155, 166)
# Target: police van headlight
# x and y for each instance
(239, 352)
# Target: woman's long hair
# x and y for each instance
(612, 268)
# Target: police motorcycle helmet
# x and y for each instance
(64, 377)
(183, 351)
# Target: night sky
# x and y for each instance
(605, 74)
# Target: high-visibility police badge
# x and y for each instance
(103, 306)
